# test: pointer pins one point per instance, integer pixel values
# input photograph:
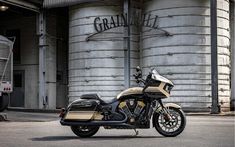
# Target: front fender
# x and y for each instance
(167, 105)
(173, 105)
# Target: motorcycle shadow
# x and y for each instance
(122, 137)
(93, 138)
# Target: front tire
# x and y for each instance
(173, 127)
(85, 131)
(4, 101)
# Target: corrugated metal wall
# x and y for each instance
(224, 60)
(185, 57)
(232, 6)
(97, 65)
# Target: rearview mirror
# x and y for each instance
(138, 69)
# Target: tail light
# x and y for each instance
(7, 89)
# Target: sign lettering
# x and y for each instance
(102, 24)
(146, 20)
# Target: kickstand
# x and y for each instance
(136, 132)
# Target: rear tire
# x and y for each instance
(177, 124)
(85, 131)
(4, 101)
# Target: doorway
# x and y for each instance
(17, 96)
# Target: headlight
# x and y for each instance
(168, 87)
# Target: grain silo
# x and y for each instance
(96, 61)
(184, 56)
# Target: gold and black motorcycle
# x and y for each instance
(133, 108)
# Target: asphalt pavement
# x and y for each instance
(44, 130)
(15, 116)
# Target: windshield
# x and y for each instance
(154, 71)
(157, 76)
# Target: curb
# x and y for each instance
(33, 110)
(209, 114)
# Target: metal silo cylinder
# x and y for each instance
(96, 65)
(184, 57)
(5, 48)
(224, 56)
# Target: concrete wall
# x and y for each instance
(50, 60)
(56, 59)
(29, 55)
(56, 51)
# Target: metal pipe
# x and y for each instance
(42, 48)
(214, 57)
(97, 123)
(127, 44)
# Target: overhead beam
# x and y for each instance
(65, 3)
(22, 4)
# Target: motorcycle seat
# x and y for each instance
(98, 97)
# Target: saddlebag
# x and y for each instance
(83, 110)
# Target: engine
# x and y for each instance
(132, 108)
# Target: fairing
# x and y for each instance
(161, 90)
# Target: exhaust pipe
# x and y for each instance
(96, 123)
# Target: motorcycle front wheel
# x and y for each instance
(172, 127)
(84, 131)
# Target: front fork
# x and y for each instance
(164, 111)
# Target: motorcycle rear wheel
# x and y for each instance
(85, 131)
(173, 127)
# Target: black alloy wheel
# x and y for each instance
(172, 127)
(85, 131)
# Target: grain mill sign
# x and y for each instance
(121, 20)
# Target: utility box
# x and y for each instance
(6, 71)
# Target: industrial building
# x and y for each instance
(66, 48)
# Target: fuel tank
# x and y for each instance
(131, 91)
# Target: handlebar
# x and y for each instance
(140, 80)
(138, 75)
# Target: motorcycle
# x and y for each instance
(133, 108)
